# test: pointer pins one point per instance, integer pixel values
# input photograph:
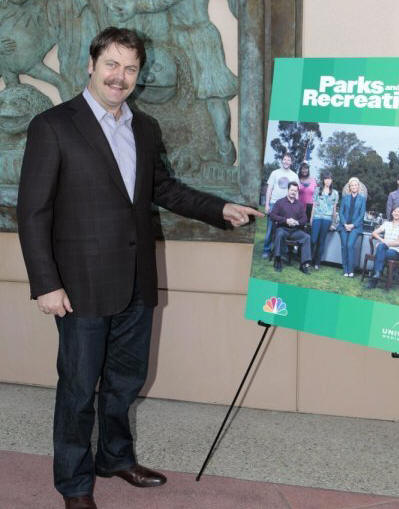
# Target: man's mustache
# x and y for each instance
(119, 83)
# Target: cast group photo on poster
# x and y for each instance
(343, 181)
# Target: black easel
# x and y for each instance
(267, 327)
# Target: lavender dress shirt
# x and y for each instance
(119, 134)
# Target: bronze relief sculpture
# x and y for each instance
(185, 84)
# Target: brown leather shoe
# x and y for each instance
(84, 502)
(139, 476)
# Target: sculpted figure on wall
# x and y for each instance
(190, 68)
(25, 40)
(31, 28)
(18, 105)
(186, 25)
(73, 24)
(185, 83)
(192, 30)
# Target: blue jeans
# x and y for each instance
(284, 233)
(268, 244)
(320, 229)
(115, 349)
(348, 242)
(382, 253)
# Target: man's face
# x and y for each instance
(286, 162)
(397, 183)
(292, 192)
(114, 76)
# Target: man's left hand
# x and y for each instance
(238, 215)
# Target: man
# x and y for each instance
(289, 215)
(90, 172)
(393, 201)
(276, 189)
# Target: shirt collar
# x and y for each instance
(100, 112)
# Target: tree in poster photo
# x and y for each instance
(297, 138)
(344, 155)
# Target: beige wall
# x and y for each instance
(337, 377)
(350, 28)
(201, 342)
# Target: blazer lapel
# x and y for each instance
(91, 130)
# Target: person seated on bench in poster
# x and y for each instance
(351, 214)
(324, 212)
(387, 247)
(289, 217)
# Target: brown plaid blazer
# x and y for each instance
(77, 226)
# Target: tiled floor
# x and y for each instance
(265, 460)
(25, 482)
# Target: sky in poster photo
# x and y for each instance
(382, 139)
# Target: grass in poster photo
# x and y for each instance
(369, 153)
(326, 279)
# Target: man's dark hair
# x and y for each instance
(292, 183)
(288, 154)
(123, 37)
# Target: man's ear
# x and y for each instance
(90, 66)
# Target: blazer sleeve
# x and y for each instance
(37, 191)
(173, 195)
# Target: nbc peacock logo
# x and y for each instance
(276, 306)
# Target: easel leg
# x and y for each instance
(267, 327)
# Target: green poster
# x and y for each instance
(326, 256)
